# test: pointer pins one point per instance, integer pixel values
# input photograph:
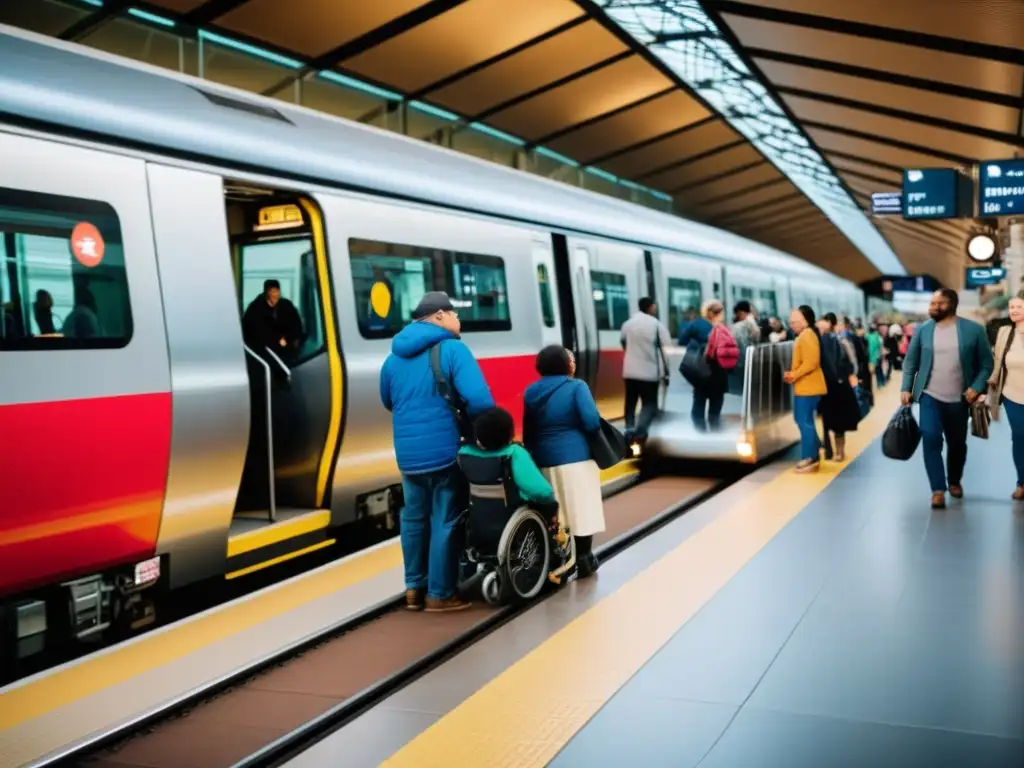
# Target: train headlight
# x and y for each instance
(635, 448)
(745, 447)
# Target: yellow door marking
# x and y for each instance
(279, 559)
(323, 272)
(527, 714)
(271, 534)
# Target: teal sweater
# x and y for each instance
(528, 479)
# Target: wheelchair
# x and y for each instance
(517, 548)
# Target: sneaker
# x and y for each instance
(807, 465)
(938, 500)
(414, 599)
(956, 491)
(448, 604)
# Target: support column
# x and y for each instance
(1014, 258)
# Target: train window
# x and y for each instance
(739, 293)
(62, 276)
(292, 263)
(389, 279)
(766, 303)
(684, 296)
(611, 300)
(547, 307)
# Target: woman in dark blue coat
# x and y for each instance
(559, 417)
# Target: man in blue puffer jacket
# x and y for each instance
(427, 442)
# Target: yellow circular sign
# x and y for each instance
(380, 299)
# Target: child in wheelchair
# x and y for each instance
(514, 531)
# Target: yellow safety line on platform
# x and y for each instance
(25, 702)
(526, 715)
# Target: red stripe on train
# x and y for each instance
(82, 486)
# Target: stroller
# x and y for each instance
(518, 548)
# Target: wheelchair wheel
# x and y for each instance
(492, 588)
(524, 553)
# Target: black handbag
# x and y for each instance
(607, 445)
(696, 368)
(902, 436)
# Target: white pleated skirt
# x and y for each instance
(578, 490)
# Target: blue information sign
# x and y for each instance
(931, 193)
(979, 276)
(1001, 188)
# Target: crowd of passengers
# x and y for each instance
(947, 364)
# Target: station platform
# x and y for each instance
(791, 620)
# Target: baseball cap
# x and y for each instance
(434, 301)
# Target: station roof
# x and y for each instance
(847, 94)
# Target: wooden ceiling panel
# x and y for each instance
(966, 71)
(447, 44)
(653, 118)
(586, 97)
(546, 62)
(678, 146)
(702, 168)
(311, 27)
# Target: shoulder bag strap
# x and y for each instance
(444, 389)
(544, 400)
(1006, 348)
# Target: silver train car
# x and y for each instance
(142, 443)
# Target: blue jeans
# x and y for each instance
(431, 530)
(1015, 415)
(940, 419)
(879, 374)
(804, 408)
(712, 399)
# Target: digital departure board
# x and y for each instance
(979, 276)
(887, 203)
(931, 193)
(1001, 188)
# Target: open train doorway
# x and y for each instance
(293, 358)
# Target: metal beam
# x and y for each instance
(896, 143)
(693, 158)
(547, 87)
(598, 118)
(900, 114)
(718, 176)
(211, 10)
(712, 118)
(94, 20)
(742, 192)
(368, 40)
(871, 31)
(453, 78)
(887, 77)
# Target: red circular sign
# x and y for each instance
(87, 244)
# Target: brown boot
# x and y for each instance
(1018, 494)
(414, 599)
(448, 604)
(840, 449)
(939, 500)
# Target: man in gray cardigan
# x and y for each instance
(946, 368)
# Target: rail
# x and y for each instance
(268, 383)
(766, 396)
(284, 368)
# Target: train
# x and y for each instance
(144, 447)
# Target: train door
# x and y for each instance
(682, 285)
(618, 279)
(550, 315)
(576, 306)
(292, 354)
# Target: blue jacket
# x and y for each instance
(975, 357)
(695, 332)
(556, 433)
(425, 433)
